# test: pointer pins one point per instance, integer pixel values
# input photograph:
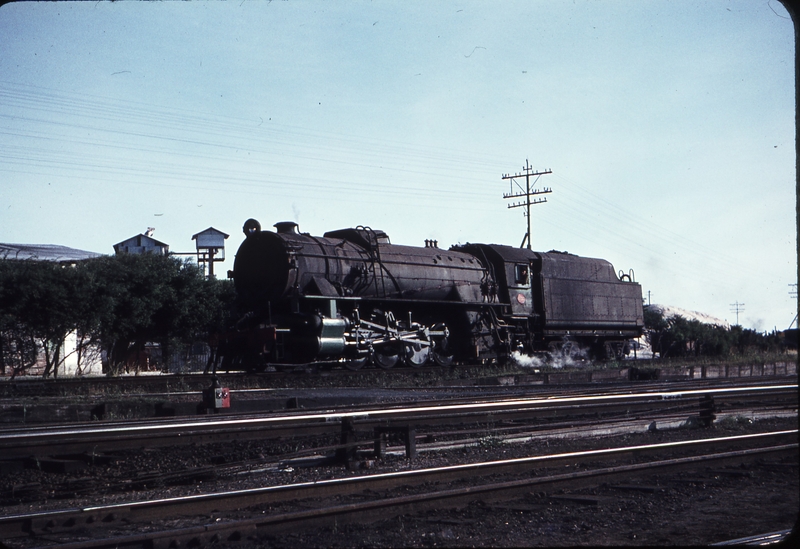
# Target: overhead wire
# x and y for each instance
(136, 143)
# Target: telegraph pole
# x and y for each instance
(528, 172)
(737, 308)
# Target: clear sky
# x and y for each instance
(669, 127)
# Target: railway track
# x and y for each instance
(370, 497)
(359, 453)
(435, 427)
(514, 412)
(639, 371)
(32, 402)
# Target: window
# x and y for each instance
(522, 274)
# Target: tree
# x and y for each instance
(116, 303)
(18, 349)
(38, 302)
(677, 336)
(145, 298)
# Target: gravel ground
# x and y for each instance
(678, 511)
(681, 509)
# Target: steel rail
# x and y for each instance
(21, 442)
(235, 499)
(443, 441)
(63, 521)
(516, 435)
(758, 539)
(485, 396)
(61, 387)
(501, 403)
(507, 434)
(493, 405)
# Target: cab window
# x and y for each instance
(521, 274)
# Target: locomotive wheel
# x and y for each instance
(442, 355)
(355, 363)
(385, 358)
(415, 353)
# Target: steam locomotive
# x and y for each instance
(352, 298)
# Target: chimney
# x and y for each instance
(287, 227)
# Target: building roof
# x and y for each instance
(141, 243)
(44, 252)
(141, 240)
(210, 231)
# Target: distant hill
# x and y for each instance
(44, 252)
(669, 311)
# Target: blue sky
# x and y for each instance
(668, 126)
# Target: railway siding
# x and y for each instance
(37, 401)
(470, 482)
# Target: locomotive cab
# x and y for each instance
(515, 272)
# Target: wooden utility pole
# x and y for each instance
(528, 172)
(737, 308)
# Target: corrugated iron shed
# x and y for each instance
(140, 244)
(44, 252)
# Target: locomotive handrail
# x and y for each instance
(622, 275)
(325, 257)
(489, 277)
(454, 267)
(374, 244)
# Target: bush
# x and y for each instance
(679, 337)
(119, 303)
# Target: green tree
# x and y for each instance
(655, 327)
(129, 290)
(18, 349)
(117, 303)
(193, 308)
(38, 301)
(149, 298)
(677, 336)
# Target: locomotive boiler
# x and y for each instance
(352, 297)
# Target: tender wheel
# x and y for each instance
(563, 349)
(415, 353)
(613, 350)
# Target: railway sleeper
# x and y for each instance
(583, 499)
(55, 524)
(204, 537)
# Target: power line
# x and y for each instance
(737, 308)
(527, 194)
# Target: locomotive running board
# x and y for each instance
(405, 301)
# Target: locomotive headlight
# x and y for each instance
(251, 226)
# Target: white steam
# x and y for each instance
(575, 357)
(526, 361)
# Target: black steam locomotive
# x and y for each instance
(353, 298)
